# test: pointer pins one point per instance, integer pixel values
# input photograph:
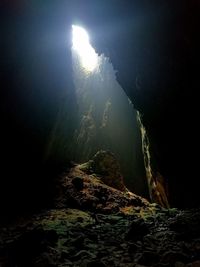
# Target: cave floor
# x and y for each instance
(93, 224)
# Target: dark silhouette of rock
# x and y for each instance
(78, 183)
(96, 264)
(138, 229)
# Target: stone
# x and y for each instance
(78, 183)
(105, 164)
(96, 263)
(148, 258)
(173, 256)
(138, 230)
(78, 242)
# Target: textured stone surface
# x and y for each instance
(107, 228)
(107, 167)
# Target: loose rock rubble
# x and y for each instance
(93, 224)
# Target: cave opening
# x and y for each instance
(81, 44)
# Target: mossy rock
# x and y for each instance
(62, 220)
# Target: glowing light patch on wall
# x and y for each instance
(81, 44)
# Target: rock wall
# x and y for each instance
(159, 72)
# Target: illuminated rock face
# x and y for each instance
(107, 121)
(105, 165)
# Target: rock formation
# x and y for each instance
(93, 224)
(107, 167)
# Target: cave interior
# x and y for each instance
(54, 209)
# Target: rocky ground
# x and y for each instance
(93, 224)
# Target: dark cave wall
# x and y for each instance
(36, 81)
(158, 62)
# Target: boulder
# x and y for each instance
(106, 165)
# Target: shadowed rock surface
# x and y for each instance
(93, 224)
